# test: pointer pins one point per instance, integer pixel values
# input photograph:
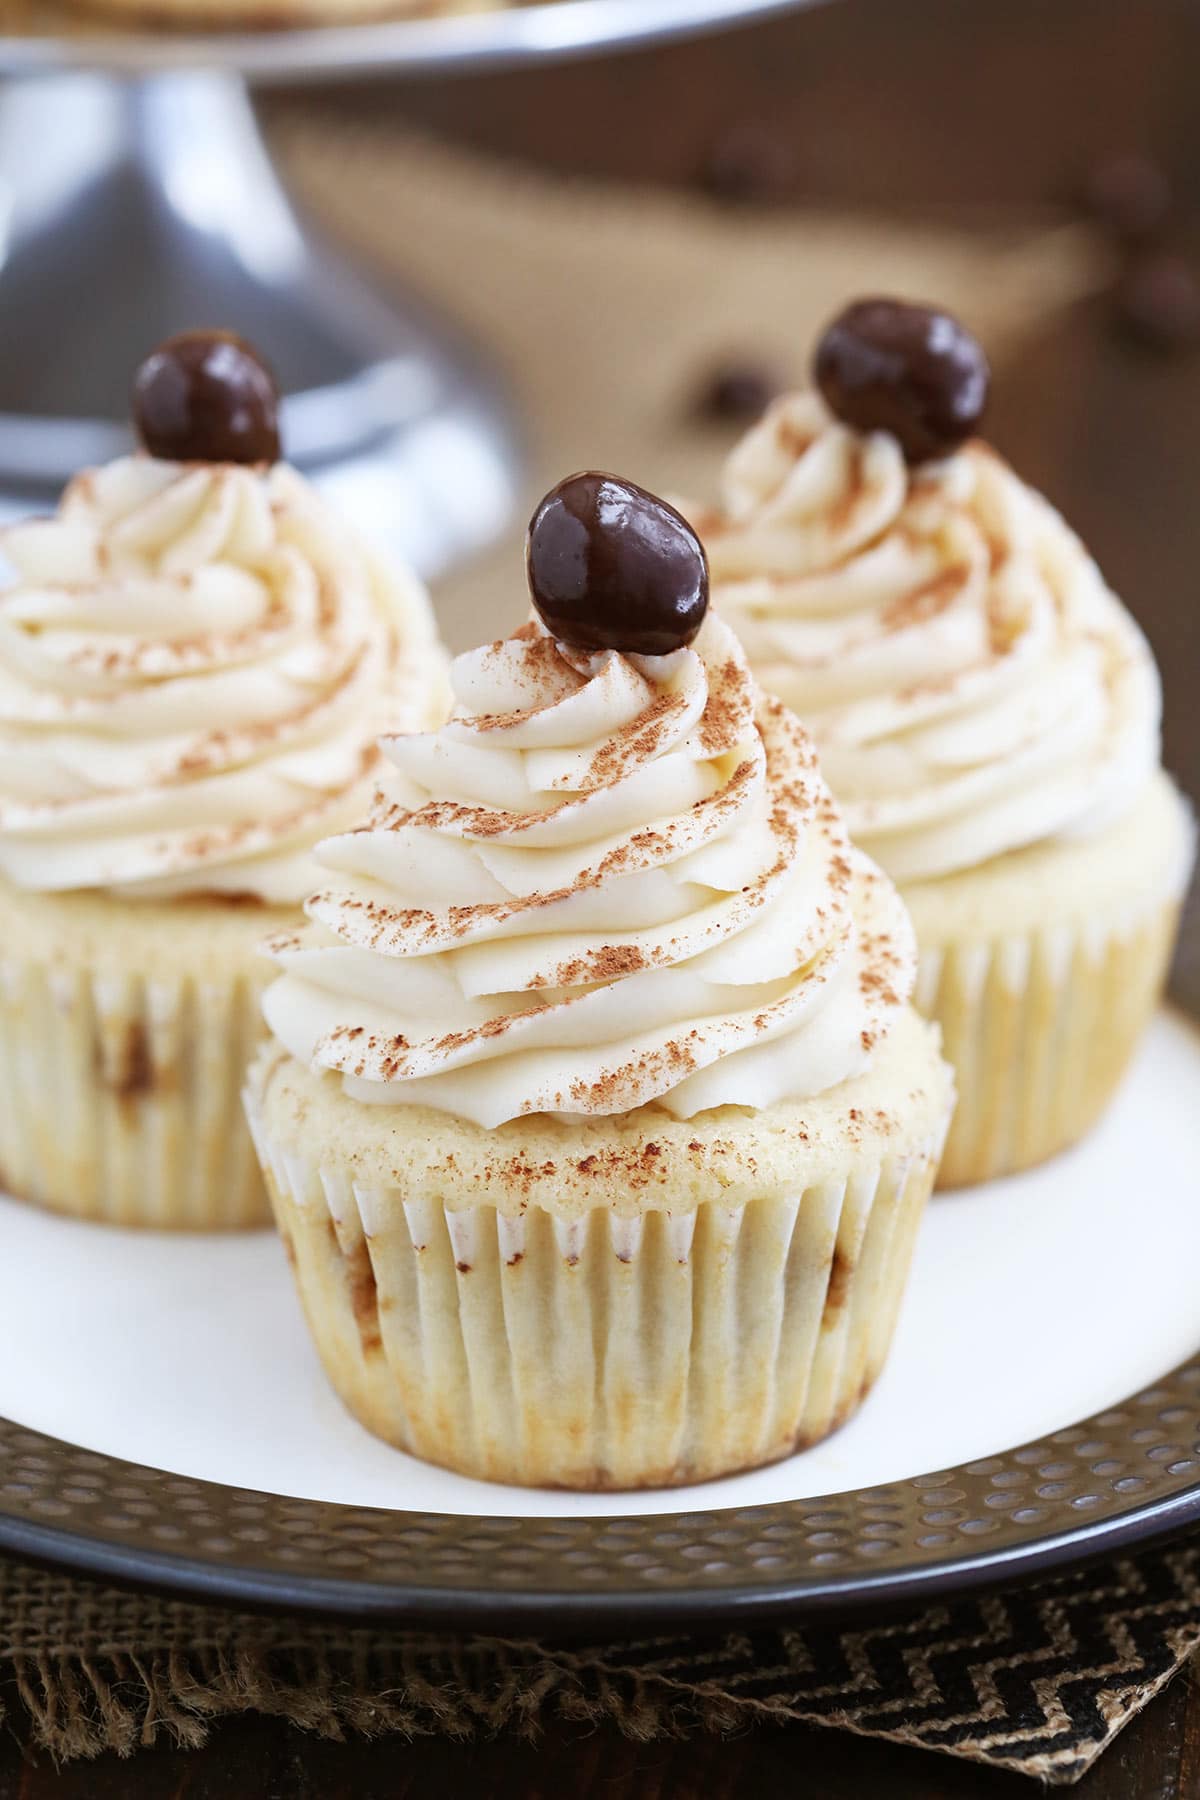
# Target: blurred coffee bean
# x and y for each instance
(1157, 302)
(749, 163)
(739, 392)
(1130, 196)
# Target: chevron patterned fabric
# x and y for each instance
(1039, 1679)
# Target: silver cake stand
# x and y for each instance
(137, 198)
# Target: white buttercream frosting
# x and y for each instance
(194, 663)
(972, 684)
(607, 881)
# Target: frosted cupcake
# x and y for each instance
(987, 715)
(195, 660)
(597, 1122)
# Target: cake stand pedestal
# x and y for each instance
(137, 198)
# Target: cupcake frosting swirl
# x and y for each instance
(609, 880)
(972, 684)
(194, 661)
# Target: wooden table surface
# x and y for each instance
(913, 105)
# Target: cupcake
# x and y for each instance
(987, 714)
(195, 660)
(595, 1118)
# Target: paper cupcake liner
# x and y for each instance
(1040, 1027)
(120, 1096)
(601, 1352)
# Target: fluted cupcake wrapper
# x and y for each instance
(1040, 1027)
(120, 1095)
(602, 1351)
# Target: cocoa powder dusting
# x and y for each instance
(183, 656)
(547, 672)
(926, 602)
(638, 741)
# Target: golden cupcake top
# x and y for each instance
(196, 654)
(972, 683)
(614, 878)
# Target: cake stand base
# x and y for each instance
(137, 206)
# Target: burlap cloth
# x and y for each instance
(605, 311)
